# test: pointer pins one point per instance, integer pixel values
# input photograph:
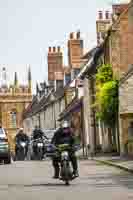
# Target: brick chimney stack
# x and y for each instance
(102, 25)
(75, 50)
(55, 64)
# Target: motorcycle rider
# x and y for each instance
(37, 134)
(62, 136)
(21, 137)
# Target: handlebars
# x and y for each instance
(43, 139)
(63, 147)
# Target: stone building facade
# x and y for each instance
(44, 112)
(126, 111)
(118, 45)
(13, 100)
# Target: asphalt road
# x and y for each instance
(32, 181)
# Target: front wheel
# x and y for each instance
(20, 154)
(66, 172)
(40, 154)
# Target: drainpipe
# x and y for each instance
(118, 133)
(54, 115)
(92, 117)
(39, 121)
(94, 114)
(82, 130)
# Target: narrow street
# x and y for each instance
(32, 180)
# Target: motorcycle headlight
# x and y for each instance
(23, 144)
(40, 144)
(64, 154)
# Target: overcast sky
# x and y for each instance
(28, 27)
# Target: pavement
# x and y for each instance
(32, 180)
(116, 161)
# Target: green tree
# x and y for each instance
(104, 74)
(107, 101)
(107, 98)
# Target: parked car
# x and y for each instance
(5, 154)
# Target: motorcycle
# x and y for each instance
(62, 151)
(21, 150)
(38, 149)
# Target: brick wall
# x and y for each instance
(130, 34)
(115, 52)
(118, 44)
(124, 43)
(119, 8)
(122, 40)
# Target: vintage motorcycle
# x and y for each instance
(62, 152)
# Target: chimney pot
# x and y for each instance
(58, 48)
(54, 49)
(71, 35)
(100, 15)
(78, 35)
(49, 49)
(107, 15)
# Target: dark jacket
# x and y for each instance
(38, 133)
(60, 137)
(21, 137)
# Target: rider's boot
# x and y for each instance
(56, 173)
(75, 174)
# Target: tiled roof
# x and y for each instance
(38, 105)
(70, 108)
(89, 53)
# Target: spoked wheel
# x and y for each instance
(66, 173)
